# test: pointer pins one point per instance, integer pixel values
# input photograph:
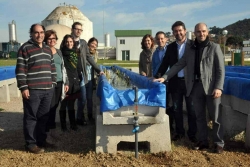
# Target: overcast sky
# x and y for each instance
(125, 14)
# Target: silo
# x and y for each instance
(12, 31)
(107, 40)
(189, 35)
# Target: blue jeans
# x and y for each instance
(81, 102)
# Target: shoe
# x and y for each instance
(177, 137)
(81, 122)
(218, 149)
(47, 145)
(193, 139)
(74, 127)
(34, 149)
(201, 146)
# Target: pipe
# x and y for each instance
(136, 123)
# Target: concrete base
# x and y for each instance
(234, 122)
(8, 88)
(247, 141)
(108, 136)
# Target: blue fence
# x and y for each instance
(7, 72)
(237, 82)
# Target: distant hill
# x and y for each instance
(240, 28)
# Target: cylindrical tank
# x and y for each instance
(107, 40)
(12, 31)
(189, 35)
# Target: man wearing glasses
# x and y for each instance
(36, 77)
(85, 58)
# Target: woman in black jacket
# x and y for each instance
(71, 60)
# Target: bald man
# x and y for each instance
(204, 79)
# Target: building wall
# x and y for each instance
(132, 44)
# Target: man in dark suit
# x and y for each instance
(176, 85)
(204, 77)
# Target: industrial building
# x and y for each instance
(128, 43)
(62, 18)
(9, 49)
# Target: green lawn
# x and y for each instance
(108, 62)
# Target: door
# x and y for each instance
(125, 55)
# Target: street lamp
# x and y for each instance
(224, 33)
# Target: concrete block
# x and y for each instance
(13, 89)
(236, 103)
(4, 89)
(247, 142)
(108, 136)
(234, 122)
(125, 115)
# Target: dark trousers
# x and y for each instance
(177, 97)
(81, 105)
(51, 124)
(169, 108)
(36, 113)
(201, 101)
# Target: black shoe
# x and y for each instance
(64, 128)
(177, 137)
(34, 149)
(193, 139)
(218, 149)
(81, 122)
(74, 127)
(201, 146)
(47, 145)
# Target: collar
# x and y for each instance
(182, 43)
(164, 48)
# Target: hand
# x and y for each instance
(26, 94)
(217, 93)
(143, 73)
(66, 88)
(101, 73)
(159, 80)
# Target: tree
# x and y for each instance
(168, 34)
(215, 30)
(235, 41)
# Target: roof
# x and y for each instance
(132, 33)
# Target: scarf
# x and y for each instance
(199, 47)
(148, 53)
(70, 57)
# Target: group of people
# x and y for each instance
(46, 76)
(194, 71)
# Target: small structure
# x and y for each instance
(128, 43)
(115, 120)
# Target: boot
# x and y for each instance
(72, 120)
(62, 114)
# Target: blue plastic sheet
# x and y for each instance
(149, 93)
(7, 72)
(237, 82)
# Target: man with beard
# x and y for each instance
(204, 81)
(176, 85)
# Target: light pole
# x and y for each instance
(224, 33)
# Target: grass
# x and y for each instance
(107, 62)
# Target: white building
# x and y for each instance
(62, 18)
(128, 43)
(246, 47)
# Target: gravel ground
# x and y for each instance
(77, 148)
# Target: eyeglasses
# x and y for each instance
(78, 29)
(51, 39)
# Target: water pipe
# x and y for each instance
(136, 123)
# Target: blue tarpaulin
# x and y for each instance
(237, 82)
(149, 93)
(7, 72)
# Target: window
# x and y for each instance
(122, 41)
